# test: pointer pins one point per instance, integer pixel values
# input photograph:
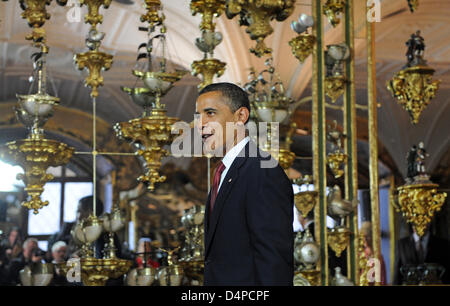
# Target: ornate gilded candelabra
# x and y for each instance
(36, 154)
(335, 79)
(152, 131)
(339, 208)
(336, 159)
(208, 67)
(192, 254)
(418, 199)
(271, 105)
(333, 8)
(302, 45)
(413, 85)
(256, 15)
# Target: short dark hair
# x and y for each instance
(85, 204)
(235, 95)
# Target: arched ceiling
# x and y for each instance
(122, 39)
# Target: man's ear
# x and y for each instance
(242, 115)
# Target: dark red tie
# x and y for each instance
(215, 186)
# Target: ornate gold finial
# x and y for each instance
(208, 68)
(414, 88)
(332, 8)
(35, 12)
(363, 262)
(418, 203)
(208, 9)
(256, 15)
(93, 17)
(302, 46)
(335, 87)
(35, 156)
(95, 62)
(413, 85)
(338, 239)
(152, 15)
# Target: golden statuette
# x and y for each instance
(418, 204)
(333, 8)
(208, 9)
(256, 15)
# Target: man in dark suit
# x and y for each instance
(414, 251)
(248, 215)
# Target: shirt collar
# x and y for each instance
(231, 155)
(424, 238)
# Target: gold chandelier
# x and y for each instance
(256, 15)
(152, 131)
(271, 105)
(413, 85)
(36, 154)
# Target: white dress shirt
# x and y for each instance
(425, 239)
(228, 159)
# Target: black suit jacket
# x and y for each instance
(248, 237)
(438, 251)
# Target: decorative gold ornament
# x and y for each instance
(35, 12)
(93, 17)
(96, 271)
(419, 202)
(208, 9)
(305, 201)
(335, 161)
(257, 16)
(152, 16)
(35, 156)
(335, 86)
(414, 88)
(413, 4)
(313, 276)
(160, 82)
(338, 239)
(332, 8)
(208, 67)
(302, 46)
(95, 62)
(149, 135)
(363, 261)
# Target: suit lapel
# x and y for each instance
(224, 191)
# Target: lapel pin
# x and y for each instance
(229, 180)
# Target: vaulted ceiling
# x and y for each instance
(121, 23)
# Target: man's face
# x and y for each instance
(59, 254)
(214, 114)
